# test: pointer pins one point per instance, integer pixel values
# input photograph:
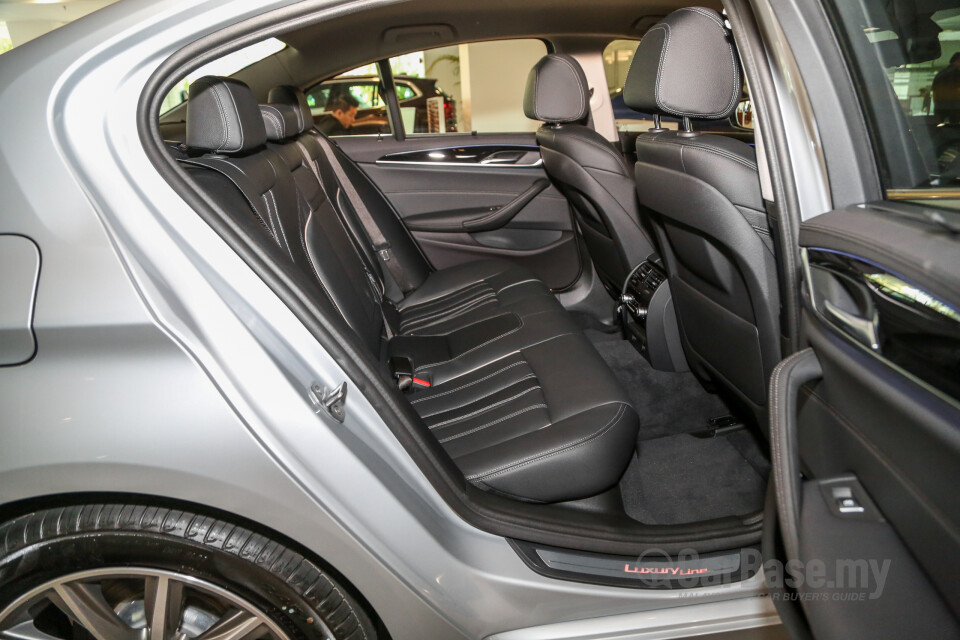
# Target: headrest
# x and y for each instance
(685, 66)
(222, 115)
(280, 120)
(557, 90)
(292, 96)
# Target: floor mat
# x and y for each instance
(667, 402)
(682, 478)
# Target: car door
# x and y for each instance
(866, 427)
(865, 420)
(482, 194)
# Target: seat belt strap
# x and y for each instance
(380, 245)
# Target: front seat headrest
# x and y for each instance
(685, 66)
(557, 90)
(294, 97)
(223, 116)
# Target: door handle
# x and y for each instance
(503, 157)
(861, 328)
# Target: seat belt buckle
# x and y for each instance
(402, 370)
(384, 252)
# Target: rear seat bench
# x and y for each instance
(518, 397)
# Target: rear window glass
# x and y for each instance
(225, 66)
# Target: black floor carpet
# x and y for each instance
(682, 478)
(676, 477)
(668, 403)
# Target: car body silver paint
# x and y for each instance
(19, 270)
(697, 620)
(803, 136)
(166, 367)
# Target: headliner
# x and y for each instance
(327, 48)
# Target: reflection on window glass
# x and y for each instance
(901, 290)
(467, 87)
(225, 66)
(350, 104)
(5, 42)
(617, 57)
(907, 55)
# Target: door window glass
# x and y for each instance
(467, 87)
(350, 104)
(905, 58)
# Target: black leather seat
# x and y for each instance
(519, 399)
(705, 191)
(588, 170)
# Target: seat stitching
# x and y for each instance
(498, 421)
(475, 413)
(468, 351)
(239, 119)
(473, 306)
(450, 312)
(608, 149)
(470, 384)
(663, 55)
(426, 310)
(225, 124)
(582, 90)
(512, 466)
(275, 118)
(447, 314)
(720, 152)
(499, 291)
(444, 296)
(416, 331)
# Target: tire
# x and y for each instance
(293, 597)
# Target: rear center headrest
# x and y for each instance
(295, 98)
(685, 65)
(557, 90)
(223, 116)
(281, 121)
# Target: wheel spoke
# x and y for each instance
(163, 604)
(24, 631)
(86, 606)
(235, 625)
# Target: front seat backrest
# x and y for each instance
(587, 169)
(705, 192)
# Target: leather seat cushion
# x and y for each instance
(546, 422)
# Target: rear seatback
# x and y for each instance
(519, 398)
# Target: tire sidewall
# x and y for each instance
(55, 558)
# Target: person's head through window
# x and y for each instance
(344, 109)
(946, 92)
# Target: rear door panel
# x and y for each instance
(881, 426)
(540, 236)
